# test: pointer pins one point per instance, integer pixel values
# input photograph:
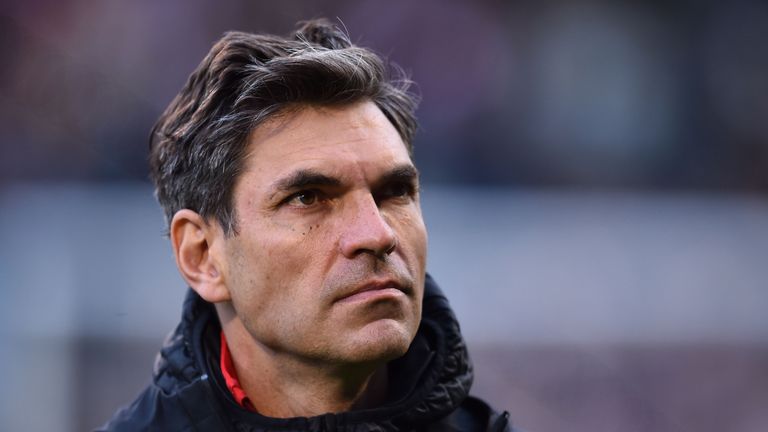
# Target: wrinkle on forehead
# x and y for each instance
(320, 137)
(289, 123)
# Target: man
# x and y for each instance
(284, 169)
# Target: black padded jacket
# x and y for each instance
(429, 385)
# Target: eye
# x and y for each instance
(305, 198)
(398, 190)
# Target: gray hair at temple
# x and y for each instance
(198, 145)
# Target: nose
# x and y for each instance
(366, 231)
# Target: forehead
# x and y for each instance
(344, 140)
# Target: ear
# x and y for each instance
(197, 246)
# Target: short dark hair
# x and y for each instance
(198, 145)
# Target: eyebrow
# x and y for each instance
(303, 178)
(405, 173)
(309, 177)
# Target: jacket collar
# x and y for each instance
(430, 381)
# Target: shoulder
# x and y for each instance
(141, 415)
(189, 408)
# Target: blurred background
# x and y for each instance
(595, 186)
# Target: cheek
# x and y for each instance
(413, 233)
(253, 271)
(265, 295)
(279, 264)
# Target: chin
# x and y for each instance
(381, 341)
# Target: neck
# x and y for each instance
(281, 385)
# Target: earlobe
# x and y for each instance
(195, 245)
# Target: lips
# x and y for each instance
(373, 289)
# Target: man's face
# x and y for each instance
(328, 263)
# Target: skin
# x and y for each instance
(323, 283)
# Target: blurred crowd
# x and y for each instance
(653, 94)
(599, 172)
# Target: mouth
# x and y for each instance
(375, 290)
